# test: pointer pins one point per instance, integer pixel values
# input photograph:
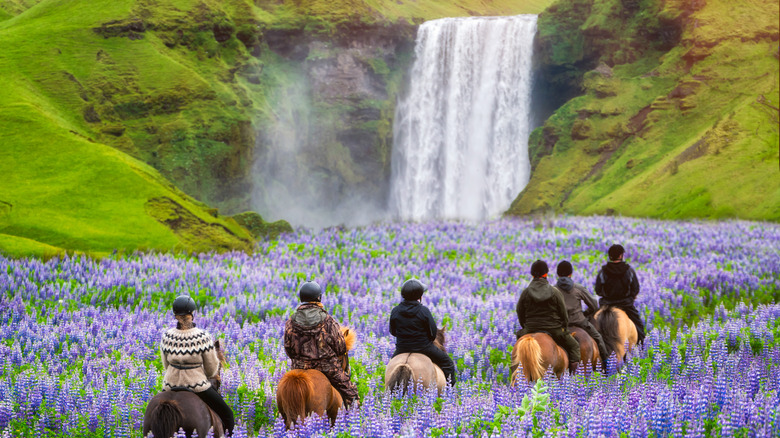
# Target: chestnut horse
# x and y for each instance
(589, 351)
(413, 368)
(170, 410)
(616, 329)
(536, 352)
(301, 392)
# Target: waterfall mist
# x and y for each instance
(299, 164)
(460, 148)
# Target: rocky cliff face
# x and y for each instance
(329, 148)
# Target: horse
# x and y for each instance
(616, 329)
(536, 352)
(301, 392)
(411, 368)
(170, 410)
(589, 350)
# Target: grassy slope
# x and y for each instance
(708, 146)
(61, 189)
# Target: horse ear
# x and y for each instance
(216, 344)
(346, 332)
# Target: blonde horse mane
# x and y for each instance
(350, 337)
(529, 353)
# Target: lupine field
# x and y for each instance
(79, 350)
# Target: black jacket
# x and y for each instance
(574, 295)
(412, 324)
(617, 284)
(541, 307)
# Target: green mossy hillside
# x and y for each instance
(677, 112)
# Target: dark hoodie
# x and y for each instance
(541, 307)
(413, 326)
(617, 284)
(573, 296)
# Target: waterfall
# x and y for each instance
(461, 133)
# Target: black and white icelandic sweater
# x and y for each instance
(189, 358)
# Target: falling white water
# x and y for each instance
(461, 134)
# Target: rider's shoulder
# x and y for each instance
(189, 334)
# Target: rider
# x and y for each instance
(541, 308)
(415, 330)
(313, 340)
(574, 294)
(190, 360)
(618, 286)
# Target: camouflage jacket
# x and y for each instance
(312, 335)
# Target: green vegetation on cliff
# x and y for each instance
(678, 112)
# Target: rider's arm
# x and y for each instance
(432, 329)
(634, 288)
(561, 305)
(334, 337)
(520, 309)
(164, 359)
(589, 301)
(289, 346)
(599, 286)
(210, 359)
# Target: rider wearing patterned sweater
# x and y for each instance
(190, 360)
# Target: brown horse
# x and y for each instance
(617, 330)
(301, 392)
(170, 410)
(412, 368)
(589, 351)
(537, 352)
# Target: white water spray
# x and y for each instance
(461, 134)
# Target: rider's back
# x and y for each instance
(541, 306)
(189, 358)
(311, 334)
(413, 325)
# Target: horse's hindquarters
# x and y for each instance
(302, 392)
(170, 410)
(413, 368)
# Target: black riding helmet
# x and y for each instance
(539, 268)
(413, 289)
(183, 305)
(310, 291)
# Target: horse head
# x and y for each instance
(441, 340)
(350, 337)
(216, 382)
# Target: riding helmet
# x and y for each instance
(413, 289)
(183, 305)
(310, 291)
(564, 269)
(539, 268)
(615, 251)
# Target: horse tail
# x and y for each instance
(294, 391)
(530, 354)
(166, 419)
(402, 376)
(609, 328)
